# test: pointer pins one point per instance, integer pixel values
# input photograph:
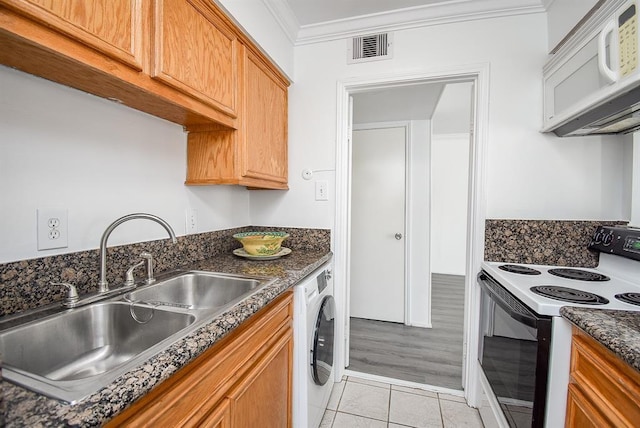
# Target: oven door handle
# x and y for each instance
(506, 301)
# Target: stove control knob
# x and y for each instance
(607, 239)
(597, 238)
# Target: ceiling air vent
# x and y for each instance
(370, 48)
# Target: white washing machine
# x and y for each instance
(314, 332)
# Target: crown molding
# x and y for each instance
(434, 14)
(285, 17)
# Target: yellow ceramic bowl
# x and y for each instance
(261, 243)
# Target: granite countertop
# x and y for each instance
(26, 408)
(619, 331)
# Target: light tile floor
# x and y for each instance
(360, 403)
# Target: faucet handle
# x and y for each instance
(72, 295)
(129, 278)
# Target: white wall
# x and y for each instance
(419, 226)
(449, 198)
(529, 175)
(254, 17)
(452, 115)
(62, 148)
(450, 179)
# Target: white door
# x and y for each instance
(378, 224)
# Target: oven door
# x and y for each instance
(514, 354)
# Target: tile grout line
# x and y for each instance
(338, 403)
(389, 407)
(363, 417)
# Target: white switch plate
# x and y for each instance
(192, 221)
(53, 231)
(321, 190)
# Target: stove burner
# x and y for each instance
(569, 295)
(631, 298)
(523, 270)
(582, 275)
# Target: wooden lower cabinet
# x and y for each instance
(262, 397)
(220, 417)
(604, 391)
(242, 381)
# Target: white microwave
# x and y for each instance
(592, 83)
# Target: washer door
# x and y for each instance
(322, 349)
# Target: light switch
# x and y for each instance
(321, 190)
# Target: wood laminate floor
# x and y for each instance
(430, 356)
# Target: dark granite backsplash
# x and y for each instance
(543, 242)
(26, 284)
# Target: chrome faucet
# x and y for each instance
(103, 285)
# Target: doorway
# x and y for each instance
(424, 346)
(475, 228)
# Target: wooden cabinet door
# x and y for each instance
(263, 397)
(112, 27)
(264, 153)
(196, 52)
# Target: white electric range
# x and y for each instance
(525, 346)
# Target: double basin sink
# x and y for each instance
(74, 353)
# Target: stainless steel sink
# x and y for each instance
(75, 346)
(197, 290)
(72, 354)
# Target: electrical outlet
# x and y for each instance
(192, 221)
(52, 228)
(321, 190)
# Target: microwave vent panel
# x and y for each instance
(373, 47)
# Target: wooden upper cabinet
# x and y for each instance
(254, 155)
(182, 60)
(266, 126)
(196, 52)
(113, 27)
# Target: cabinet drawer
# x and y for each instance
(581, 412)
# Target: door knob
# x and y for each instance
(398, 236)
